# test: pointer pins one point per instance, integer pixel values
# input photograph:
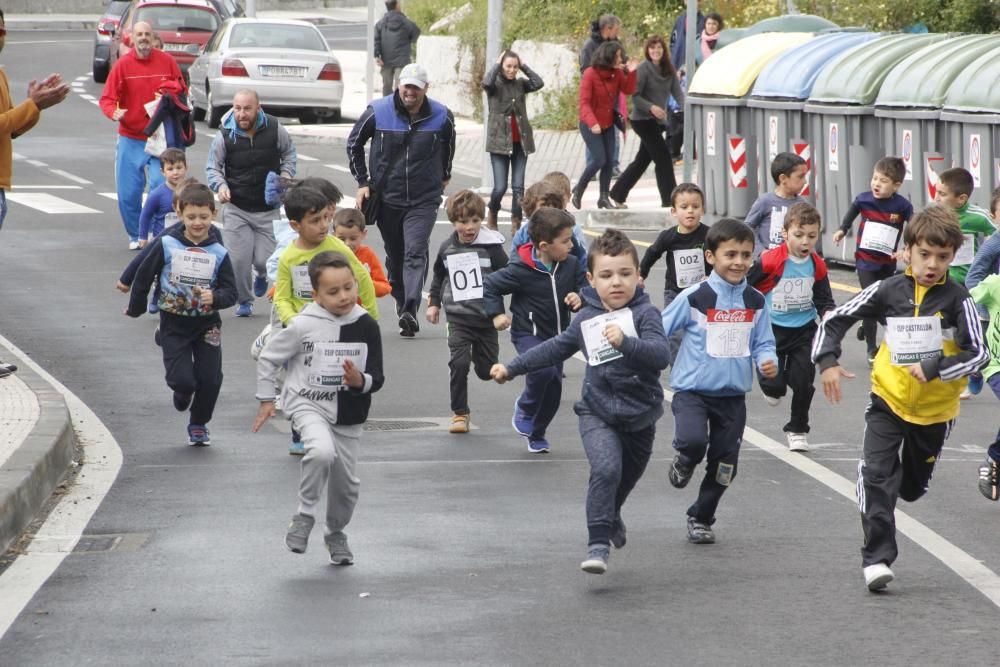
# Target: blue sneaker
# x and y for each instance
(539, 446)
(296, 448)
(153, 307)
(975, 383)
(245, 309)
(522, 423)
(260, 286)
(198, 435)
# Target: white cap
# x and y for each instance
(413, 75)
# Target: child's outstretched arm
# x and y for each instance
(826, 345)
(762, 345)
(148, 273)
(281, 347)
(653, 254)
(495, 286)
(549, 353)
(676, 316)
(649, 350)
(845, 225)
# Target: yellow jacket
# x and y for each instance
(13, 121)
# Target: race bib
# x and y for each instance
(599, 350)
(689, 266)
(466, 276)
(193, 267)
(967, 252)
(777, 225)
(301, 285)
(912, 339)
(327, 366)
(792, 295)
(879, 237)
(170, 219)
(728, 332)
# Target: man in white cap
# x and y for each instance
(400, 186)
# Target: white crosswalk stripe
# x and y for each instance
(307, 158)
(47, 203)
(337, 167)
(71, 177)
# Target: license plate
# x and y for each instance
(283, 70)
(174, 47)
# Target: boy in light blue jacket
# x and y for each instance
(727, 330)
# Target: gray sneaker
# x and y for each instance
(597, 559)
(340, 553)
(297, 537)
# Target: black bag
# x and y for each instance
(373, 202)
(618, 120)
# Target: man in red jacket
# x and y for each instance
(133, 82)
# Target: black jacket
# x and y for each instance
(488, 245)
(395, 36)
(506, 99)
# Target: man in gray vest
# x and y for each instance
(249, 144)
(395, 39)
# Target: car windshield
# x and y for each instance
(276, 36)
(178, 19)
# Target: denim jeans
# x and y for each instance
(3, 207)
(515, 164)
(134, 170)
(601, 149)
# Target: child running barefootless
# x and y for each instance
(727, 331)
(933, 342)
(333, 353)
(620, 332)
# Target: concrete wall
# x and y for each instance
(449, 66)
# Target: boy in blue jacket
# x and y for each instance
(726, 331)
(620, 332)
(543, 279)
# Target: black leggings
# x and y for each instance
(653, 148)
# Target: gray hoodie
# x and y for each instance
(303, 389)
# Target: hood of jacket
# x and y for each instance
(394, 20)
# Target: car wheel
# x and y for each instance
(308, 118)
(214, 113)
(101, 73)
(335, 116)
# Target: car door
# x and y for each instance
(200, 68)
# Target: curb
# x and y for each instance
(39, 463)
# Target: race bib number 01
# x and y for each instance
(301, 285)
(689, 266)
(967, 252)
(913, 339)
(466, 276)
(792, 295)
(193, 267)
(599, 350)
(879, 237)
(728, 332)
(327, 366)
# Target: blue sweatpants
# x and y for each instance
(134, 170)
(712, 426)
(542, 388)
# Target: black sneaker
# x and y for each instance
(6, 369)
(988, 479)
(182, 401)
(699, 532)
(156, 337)
(408, 325)
(680, 472)
(861, 332)
(618, 533)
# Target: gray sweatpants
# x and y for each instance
(250, 241)
(406, 233)
(330, 460)
(617, 460)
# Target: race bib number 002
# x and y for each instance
(913, 339)
(689, 266)
(728, 332)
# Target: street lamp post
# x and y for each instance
(494, 36)
(689, 68)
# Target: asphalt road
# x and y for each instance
(466, 546)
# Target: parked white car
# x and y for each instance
(288, 63)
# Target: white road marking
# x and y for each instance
(17, 156)
(37, 163)
(71, 177)
(20, 186)
(109, 195)
(53, 41)
(88, 97)
(337, 167)
(307, 158)
(102, 461)
(47, 203)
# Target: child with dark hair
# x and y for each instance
(549, 193)
(543, 281)
(463, 261)
(283, 232)
(196, 280)
(727, 332)
(933, 342)
(883, 213)
(349, 226)
(954, 188)
(160, 202)
(332, 353)
(619, 331)
(767, 215)
(796, 287)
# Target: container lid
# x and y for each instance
(856, 75)
(973, 90)
(923, 78)
(793, 73)
(732, 70)
(787, 23)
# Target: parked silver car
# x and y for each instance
(288, 63)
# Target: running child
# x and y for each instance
(159, 206)
(727, 332)
(543, 280)
(333, 354)
(795, 284)
(954, 188)
(465, 258)
(883, 215)
(196, 280)
(349, 227)
(767, 215)
(933, 342)
(549, 193)
(620, 332)
(987, 295)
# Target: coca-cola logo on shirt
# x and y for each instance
(734, 316)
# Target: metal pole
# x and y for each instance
(370, 48)
(689, 68)
(494, 36)
(251, 8)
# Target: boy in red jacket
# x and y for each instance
(794, 280)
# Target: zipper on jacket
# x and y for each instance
(555, 298)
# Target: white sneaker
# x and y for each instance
(133, 245)
(772, 401)
(878, 576)
(797, 442)
(965, 395)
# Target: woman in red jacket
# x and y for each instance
(606, 77)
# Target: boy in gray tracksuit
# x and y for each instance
(620, 332)
(332, 352)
